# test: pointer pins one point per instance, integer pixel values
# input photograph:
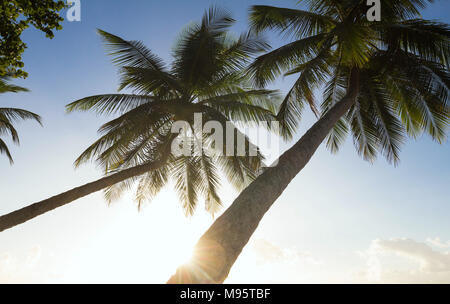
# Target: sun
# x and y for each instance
(141, 247)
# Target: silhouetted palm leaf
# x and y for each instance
(9, 116)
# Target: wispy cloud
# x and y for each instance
(263, 261)
(267, 252)
(438, 243)
(27, 267)
(429, 265)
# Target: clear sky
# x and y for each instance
(340, 220)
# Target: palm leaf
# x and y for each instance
(268, 66)
(150, 185)
(13, 114)
(293, 22)
(109, 103)
(130, 53)
(4, 150)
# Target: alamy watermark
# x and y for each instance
(374, 12)
(74, 12)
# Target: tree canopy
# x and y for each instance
(402, 61)
(205, 77)
(15, 17)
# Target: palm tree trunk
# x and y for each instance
(220, 246)
(29, 212)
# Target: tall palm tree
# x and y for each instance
(205, 77)
(8, 116)
(382, 81)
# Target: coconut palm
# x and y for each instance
(382, 82)
(136, 146)
(8, 116)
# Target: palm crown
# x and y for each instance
(204, 78)
(401, 64)
(8, 116)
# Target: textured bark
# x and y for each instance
(29, 212)
(220, 246)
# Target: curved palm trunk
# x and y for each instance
(220, 246)
(29, 212)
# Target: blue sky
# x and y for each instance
(329, 222)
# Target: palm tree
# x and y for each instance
(382, 81)
(205, 77)
(8, 116)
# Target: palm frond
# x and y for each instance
(334, 91)
(389, 127)
(6, 87)
(217, 19)
(13, 115)
(151, 184)
(402, 9)
(131, 151)
(10, 88)
(7, 128)
(187, 175)
(240, 51)
(424, 86)
(130, 53)
(109, 103)
(199, 50)
(429, 40)
(148, 81)
(247, 107)
(292, 22)
(335, 9)
(223, 84)
(312, 73)
(4, 150)
(268, 66)
(239, 169)
(115, 192)
(364, 132)
(210, 180)
(119, 132)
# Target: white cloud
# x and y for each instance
(428, 265)
(267, 252)
(27, 267)
(438, 243)
(265, 262)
